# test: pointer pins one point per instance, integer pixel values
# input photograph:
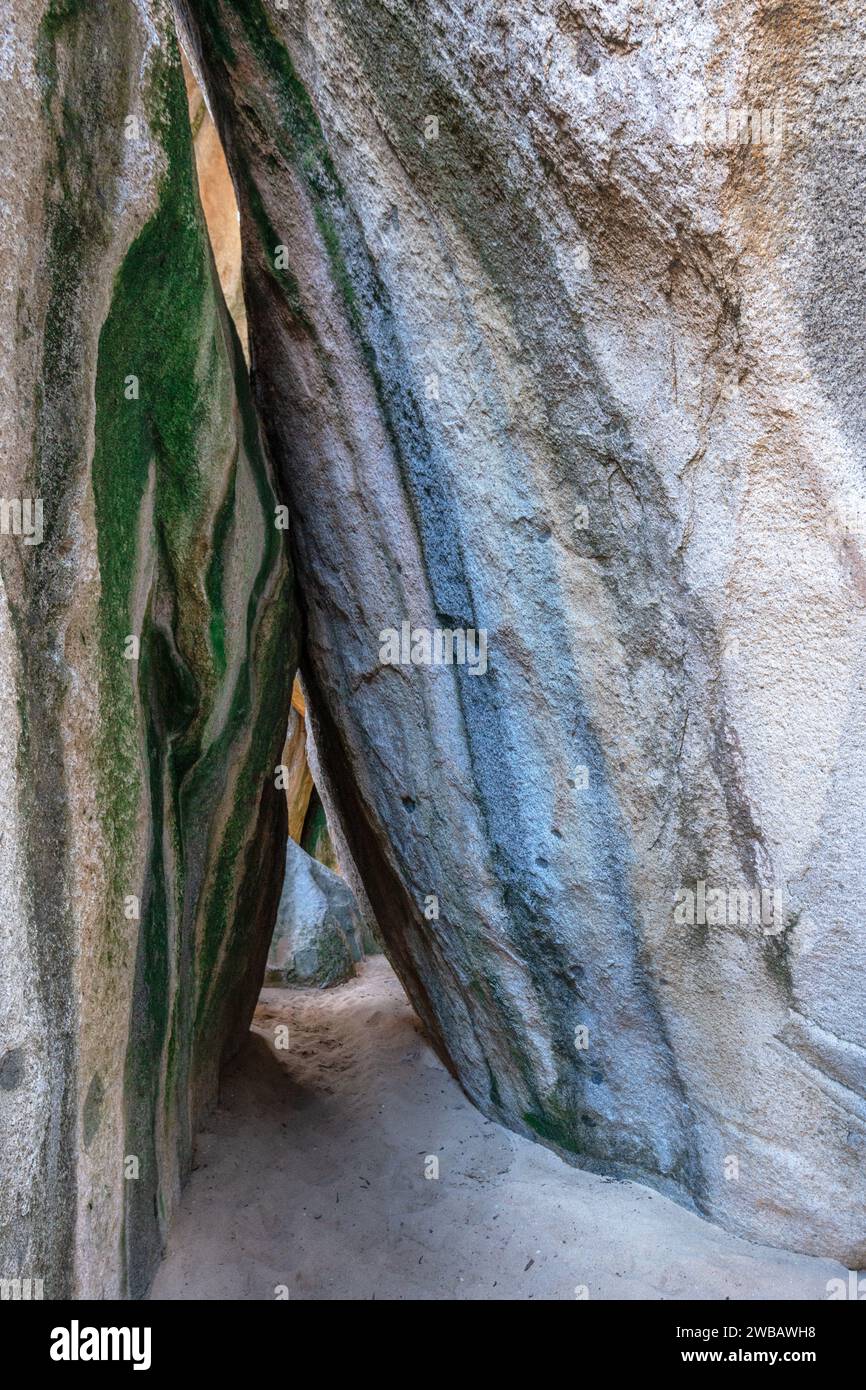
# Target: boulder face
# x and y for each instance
(147, 646)
(545, 346)
(297, 775)
(218, 203)
(319, 934)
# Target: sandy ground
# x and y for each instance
(310, 1176)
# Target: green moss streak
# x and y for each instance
(215, 576)
(159, 318)
(301, 142)
(273, 660)
(555, 1126)
(270, 241)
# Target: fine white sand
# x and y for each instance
(310, 1179)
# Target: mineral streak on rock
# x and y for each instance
(146, 652)
(538, 353)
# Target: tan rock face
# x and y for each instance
(299, 779)
(548, 343)
(218, 203)
(146, 652)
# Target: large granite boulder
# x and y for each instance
(146, 651)
(319, 933)
(552, 339)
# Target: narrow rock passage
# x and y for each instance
(310, 1175)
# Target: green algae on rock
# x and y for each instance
(155, 647)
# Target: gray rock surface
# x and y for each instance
(535, 360)
(319, 933)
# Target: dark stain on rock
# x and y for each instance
(93, 1109)
(12, 1068)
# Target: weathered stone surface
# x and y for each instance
(319, 932)
(316, 835)
(140, 818)
(298, 778)
(546, 370)
(218, 203)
